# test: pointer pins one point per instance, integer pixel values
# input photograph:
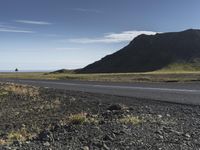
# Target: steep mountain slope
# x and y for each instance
(152, 52)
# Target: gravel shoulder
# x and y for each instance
(39, 118)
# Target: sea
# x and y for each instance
(8, 71)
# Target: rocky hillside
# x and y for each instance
(153, 52)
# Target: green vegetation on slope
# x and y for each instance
(182, 67)
(157, 76)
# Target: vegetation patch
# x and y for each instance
(2, 142)
(130, 119)
(20, 135)
(179, 74)
(3, 93)
(21, 89)
(80, 118)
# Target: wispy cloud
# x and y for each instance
(67, 48)
(112, 37)
(3, 25)
(13, 29)
(33, 22)
(87, 10)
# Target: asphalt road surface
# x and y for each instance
(187, 93)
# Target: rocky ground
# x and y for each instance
(36, 118)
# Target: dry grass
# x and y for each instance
(21, 89)
(21, 135)
(3, 93)
(131, 120)
(16, 136)
(48, 105)
(79, 119)
(156, 76)
(2, 142)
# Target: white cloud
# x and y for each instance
(87, 10)
(67, 48)
(112, 37)
(33, 22)
(14, 30)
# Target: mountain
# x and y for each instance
(152, 52)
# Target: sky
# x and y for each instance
(55, 34)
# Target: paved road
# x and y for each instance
(188, 93)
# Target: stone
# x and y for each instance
(106, 147)
(46, 144)
(158, 132)
(160, 137)
(46, 136)
(115, 107)
(85, 148)
(17, 143)
(187, 135)
(107, 138)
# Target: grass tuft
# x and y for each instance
(131, 120)
(20, 135)
(3, 93)
(78, 118)
(2, 142)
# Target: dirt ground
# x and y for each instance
(50, 119)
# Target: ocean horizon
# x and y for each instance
(4, 71)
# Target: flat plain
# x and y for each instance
(157, 76)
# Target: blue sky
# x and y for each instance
(54, 34)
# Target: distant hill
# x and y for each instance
(62, 71)
(153, 52)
